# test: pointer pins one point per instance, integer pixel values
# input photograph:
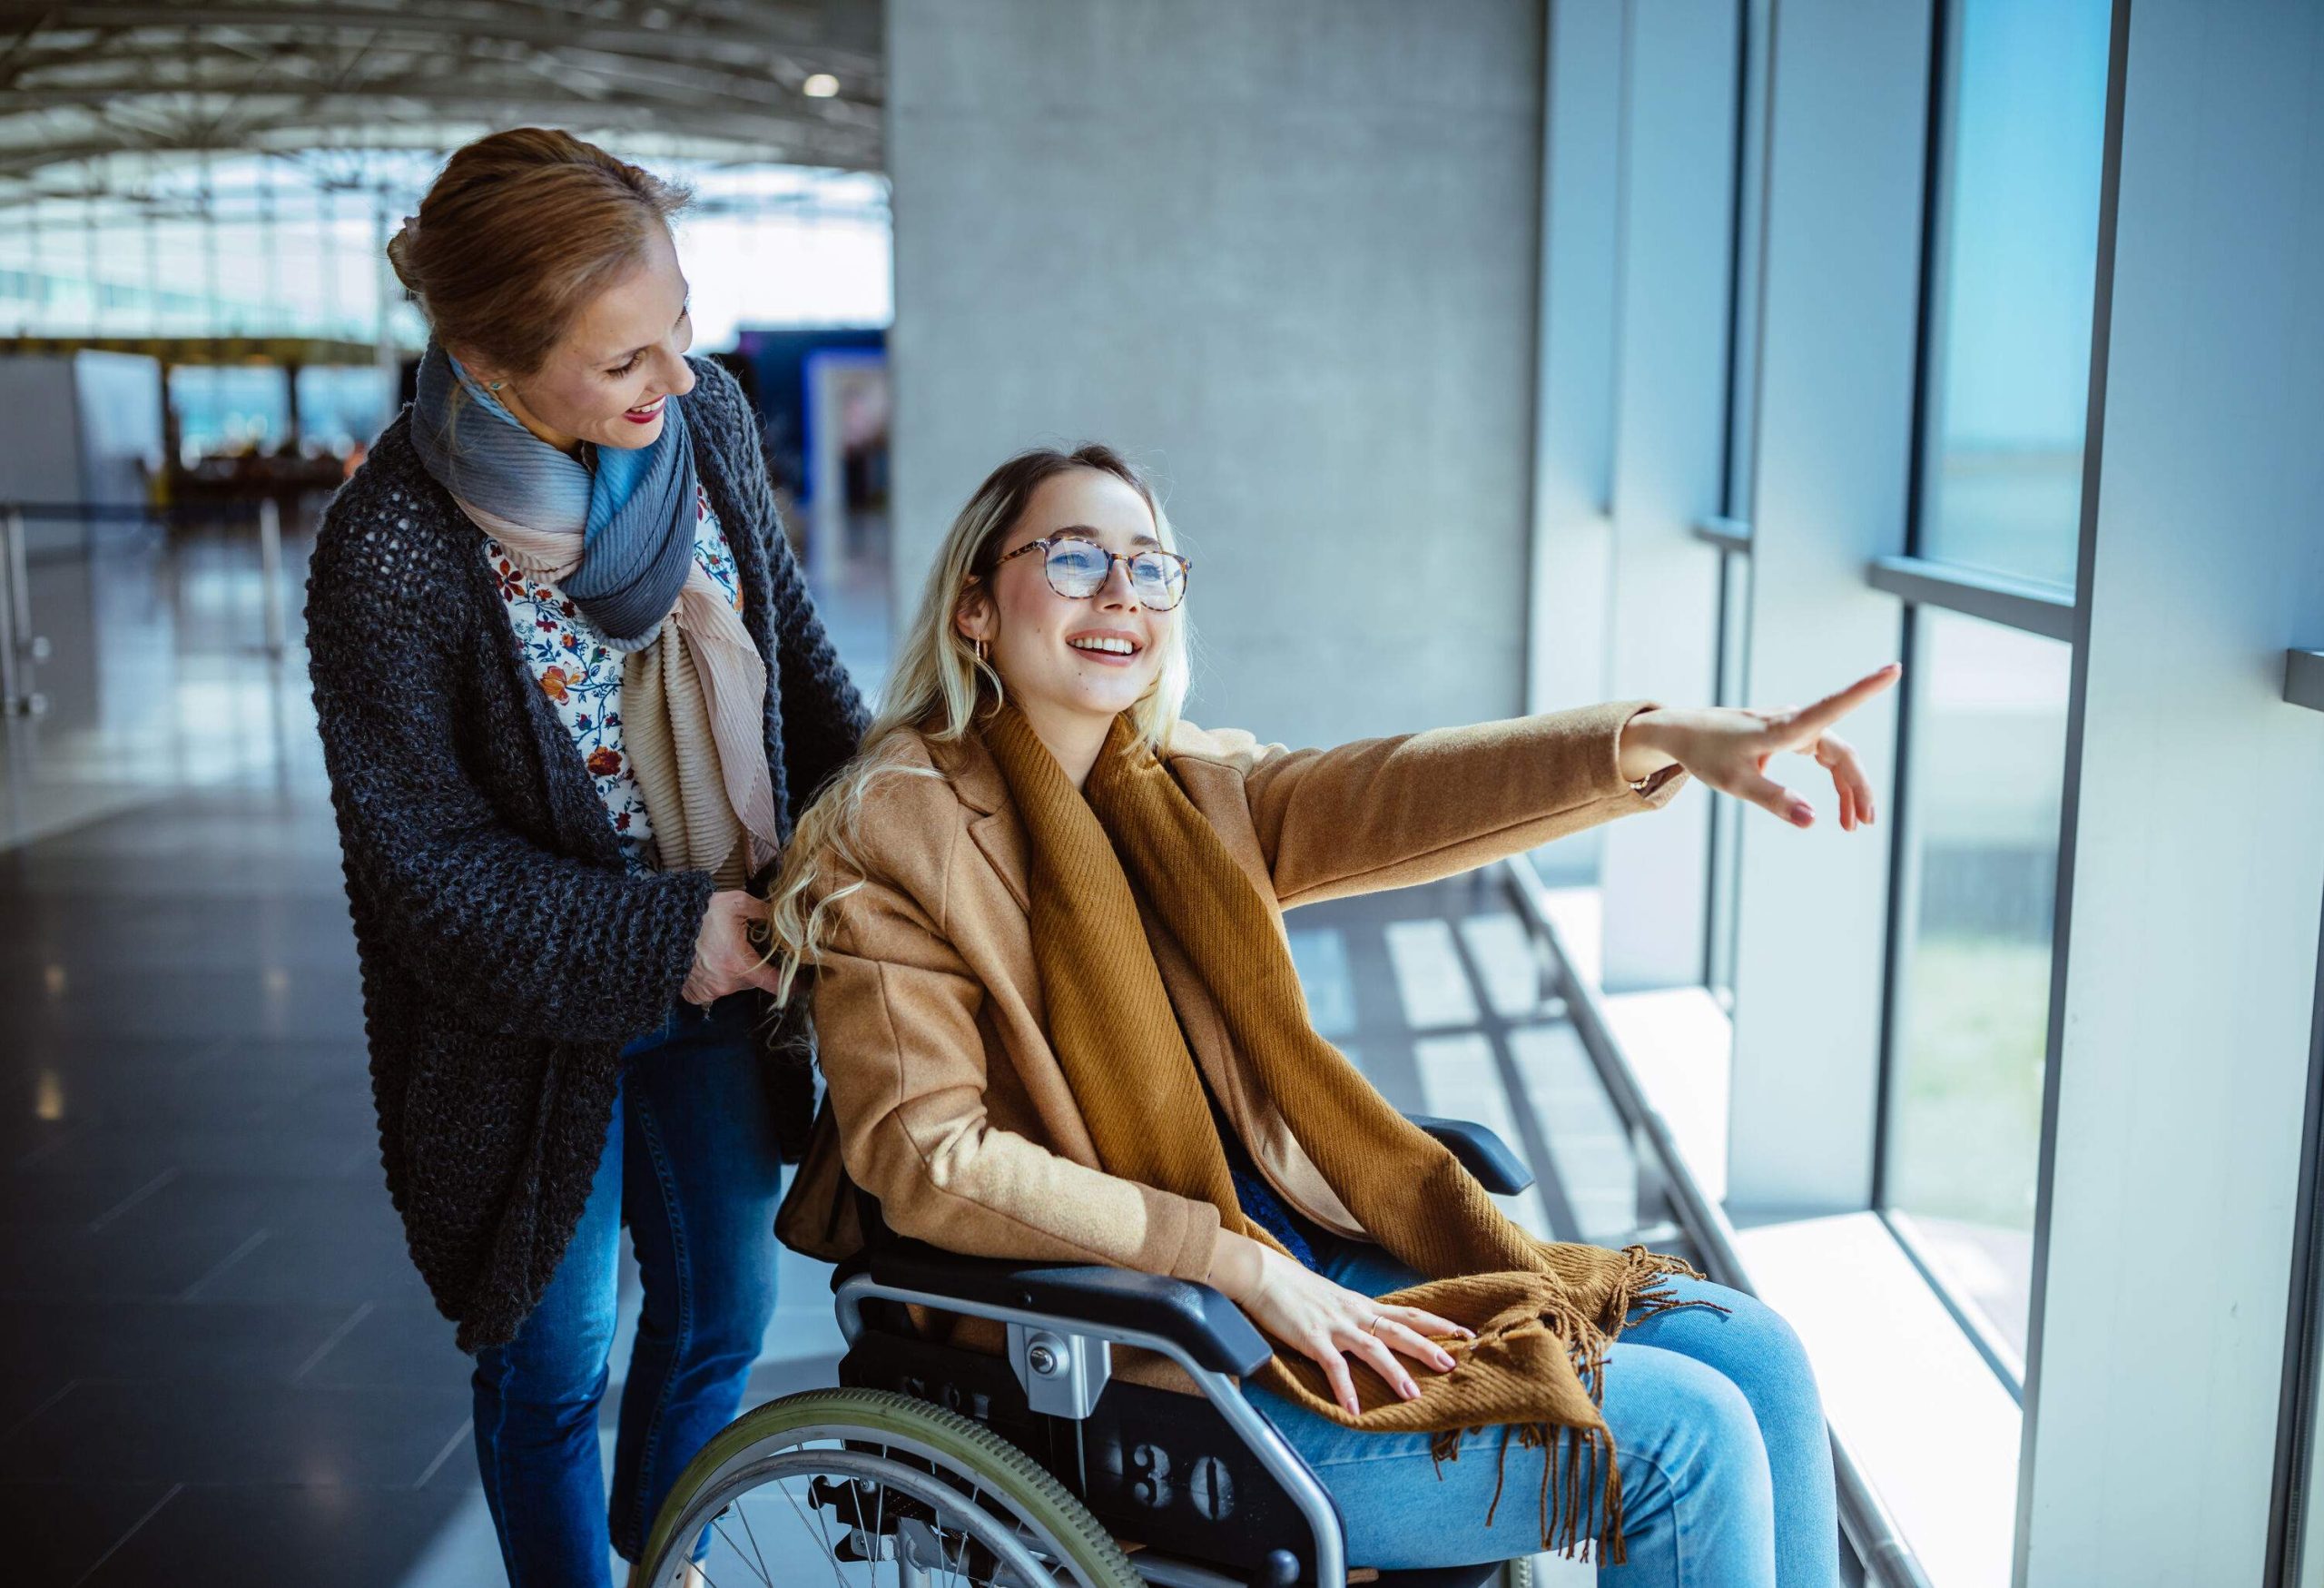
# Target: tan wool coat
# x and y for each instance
(946, 1100)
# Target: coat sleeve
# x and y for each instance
(1389, 813)
(512, 938)
(903, 1057)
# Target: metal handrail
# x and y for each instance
(1871, 1528)
(19, 646)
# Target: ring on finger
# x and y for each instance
(1373, 1326)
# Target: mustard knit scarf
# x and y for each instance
(1543, 1313)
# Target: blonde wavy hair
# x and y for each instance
(939, 688)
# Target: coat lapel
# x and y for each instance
(993, 825)
(1002, 837)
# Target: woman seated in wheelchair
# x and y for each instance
(1059, 1019)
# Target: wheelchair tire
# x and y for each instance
(962, 1491)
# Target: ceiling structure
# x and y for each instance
(95, 97)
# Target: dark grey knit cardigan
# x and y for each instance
(506, 954)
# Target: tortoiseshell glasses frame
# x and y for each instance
(1158, 578)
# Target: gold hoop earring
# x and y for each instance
(979, 645)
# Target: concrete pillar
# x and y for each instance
(1285, 255)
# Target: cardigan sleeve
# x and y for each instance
(512, 938)
(1393, 812)
(824, 716)
(903, 1057)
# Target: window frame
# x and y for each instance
(1729, 531)
(2300, 1417)
(2035, 606)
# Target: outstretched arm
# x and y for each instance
(1389, 813)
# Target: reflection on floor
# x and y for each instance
(216, 1363)
(158, 679)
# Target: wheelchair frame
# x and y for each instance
(1064, 1363)
(1063, 1324)
(1063, 1321)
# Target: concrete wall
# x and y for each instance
(1285, 255)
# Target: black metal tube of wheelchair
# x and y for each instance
(1872, 1529)
(1223, 1393)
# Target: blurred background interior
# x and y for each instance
(1494, 355)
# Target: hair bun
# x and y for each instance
(400, 255)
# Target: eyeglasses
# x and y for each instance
(1078, 569)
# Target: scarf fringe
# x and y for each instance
(1566, 1448)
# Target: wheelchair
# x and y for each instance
(932, 1465)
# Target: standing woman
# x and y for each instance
(571, 690)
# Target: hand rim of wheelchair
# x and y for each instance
(771, 1442)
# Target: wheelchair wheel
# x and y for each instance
(888, 1489)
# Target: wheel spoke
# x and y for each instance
(879, 1515)
(944, 1535)
(717, 1527)
(831, 1555)
(975, 1495)
(960, 1559)
(746, 1517)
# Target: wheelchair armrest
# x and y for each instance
(1481, 1153)
(1200, 1321)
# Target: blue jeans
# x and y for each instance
(691, 1165)
(1727, 1468)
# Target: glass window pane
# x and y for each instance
(2017, 263)
(230, 407)
(342, 407)
(1984, 768)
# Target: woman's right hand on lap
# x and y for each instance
(1327, 1322)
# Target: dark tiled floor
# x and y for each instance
(216, 1361)
(305, 1533)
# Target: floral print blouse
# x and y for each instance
(581, 674)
